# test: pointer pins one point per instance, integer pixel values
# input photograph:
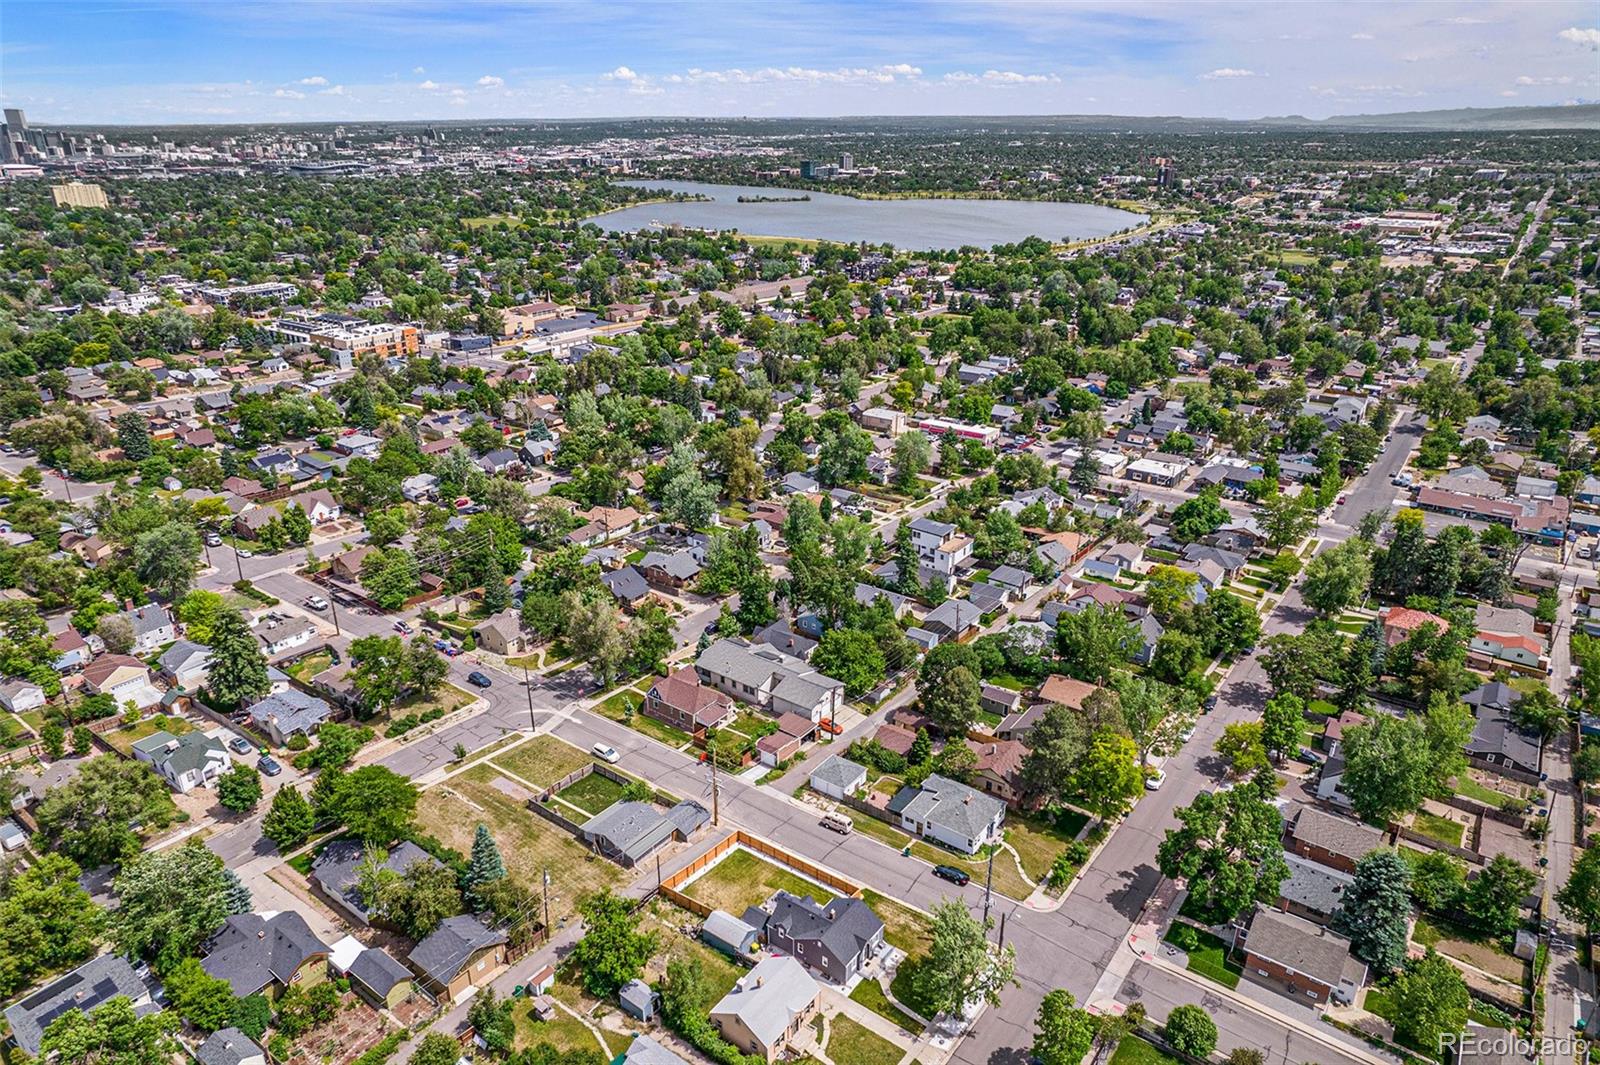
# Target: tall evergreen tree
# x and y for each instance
(1374, 909)
(486, 864)
(236, 896)
(290, 820)
(238, 674)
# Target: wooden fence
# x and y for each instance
(740, 838)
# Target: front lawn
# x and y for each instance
(310, 666)
(1037, 841)
(870, 994)
(853, 1043)
(1209, 958)
(742, 879)
(1135, 1051)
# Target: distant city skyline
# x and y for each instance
(167, 61)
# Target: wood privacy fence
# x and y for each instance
(740, 838)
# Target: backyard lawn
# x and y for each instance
(543, 760)
(1135, 1051)
(448, 697)
(310, 666)
(1442, 829)
(592, 793)
(719, 971)
(531, 846)
(1465, 945)
(124, 738)
(743, 879)
(853, 1043)
(563, 1031)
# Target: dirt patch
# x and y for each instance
(511, 789)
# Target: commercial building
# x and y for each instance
(77, 194)
(342, 332)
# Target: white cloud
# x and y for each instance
(1588, 38)
(1230, 72)
(429, 85)
(621, 74)
(1466, 20)
(1000, 77)
(905, 70)
(315, 79)
(1508, 92)
(489, 81)
(418, 70)
(1361, 37)
(335, 90)
(1548, 79)
(288, 94)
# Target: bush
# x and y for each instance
(1184, 937)
(1191, 1031)
(299, 742)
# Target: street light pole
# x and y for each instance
(527, 684)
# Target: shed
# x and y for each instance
(728, 933)
(637, 1000)
(837, 777)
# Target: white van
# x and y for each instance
(606, 753)
(838, 823)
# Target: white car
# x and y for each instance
(245, 552)
(606, 753)
(1154, 781)
(316, 602)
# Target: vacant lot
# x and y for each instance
(543, 760)
(1467, 946)
(1037, 841)
(530, 845)
(743, 879)
(124, 738)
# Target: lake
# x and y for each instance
(917, 225)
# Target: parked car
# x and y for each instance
(478, 679)
(606, 753)
(213, 540)
(837, 823)
(958, 877)
(244, 552)
(1308, 756)
(402, 628)
(1153, 781)
(269, 765)
(316, 602)
(830, 726)
(1209, 705)
(240, 745)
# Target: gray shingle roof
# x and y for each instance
(953, 616)
(294, 710)
(253, 951)
(1336, 835)
(769, 997)
(1300, 945)
(441, 956)
(91, 984)
(378, 970)
(840, 772)
(631, 829)
(228, 1047)
(952, 805)
(335, 870)
(178, 656)
(1313, 886)
(646, 1051)
(843, 927)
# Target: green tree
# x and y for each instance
(851, 656)
(436, 1048)
(239, 789)
(289, 821)
(951, 700)
(962, 967)
(133, 436)
(612, 950)
(1242, 744)
(486, 865)
(911, 456)
(47, 922)
(200, 998)
(1374, 911)
(1388, 766)
(1228, 846)
(1492, 901)
(170, 902)
(490, 1017)
(1337, 578)
(376, 804)
(238, 674)
(1430, 1000)
(165, 558)
(90, 818)
(1191, 1031)
(1580, 895)
(1281, 719)
(1197, 516)
(1097, 641)
(112, 1034)
(1062, 1032)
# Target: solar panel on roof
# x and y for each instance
(66, 983)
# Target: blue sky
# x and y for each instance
(141, 61)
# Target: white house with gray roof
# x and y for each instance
(185, 762)
(283, 714)
(186, 664)
(764, 676)
(152, 627)
(947, 811)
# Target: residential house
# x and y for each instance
(836, 939)
(91, 550)
(185, 664)
(603, 524)
(950, 813)
(266, 954)
(767, 1008)
(953, 619)
(335, 871)
(680, 700)
(627, 586)
(230, 1046)
(279, 634)
(72, 651)
(941, 547)
(998, 770)
(993, 699)
(185, 762)
(646, 1051)
(461, 954)
(318, 505)
(1311, 962)
(1313, 891)
(767, 677)
(288, 713)
(837, 777)
(1498, 743)
(502, 634)
(152, 627)
(673, 570)
(419, 487)
(1114, 561)
(1337, 842)
(629, 832)
(782, 635)
(123, 678)
(1017, 582)
(19, 695)
(1399, 623)
(379, 978)
(89, 986)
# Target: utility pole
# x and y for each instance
(1002, 944)
(334, 610)
(716, 790)
(988, 888)
(527, 684)
(546, 894)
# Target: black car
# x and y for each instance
(1307, 756)
(1209, 705)
(480, 679)
(958, 877)
(269, 765)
